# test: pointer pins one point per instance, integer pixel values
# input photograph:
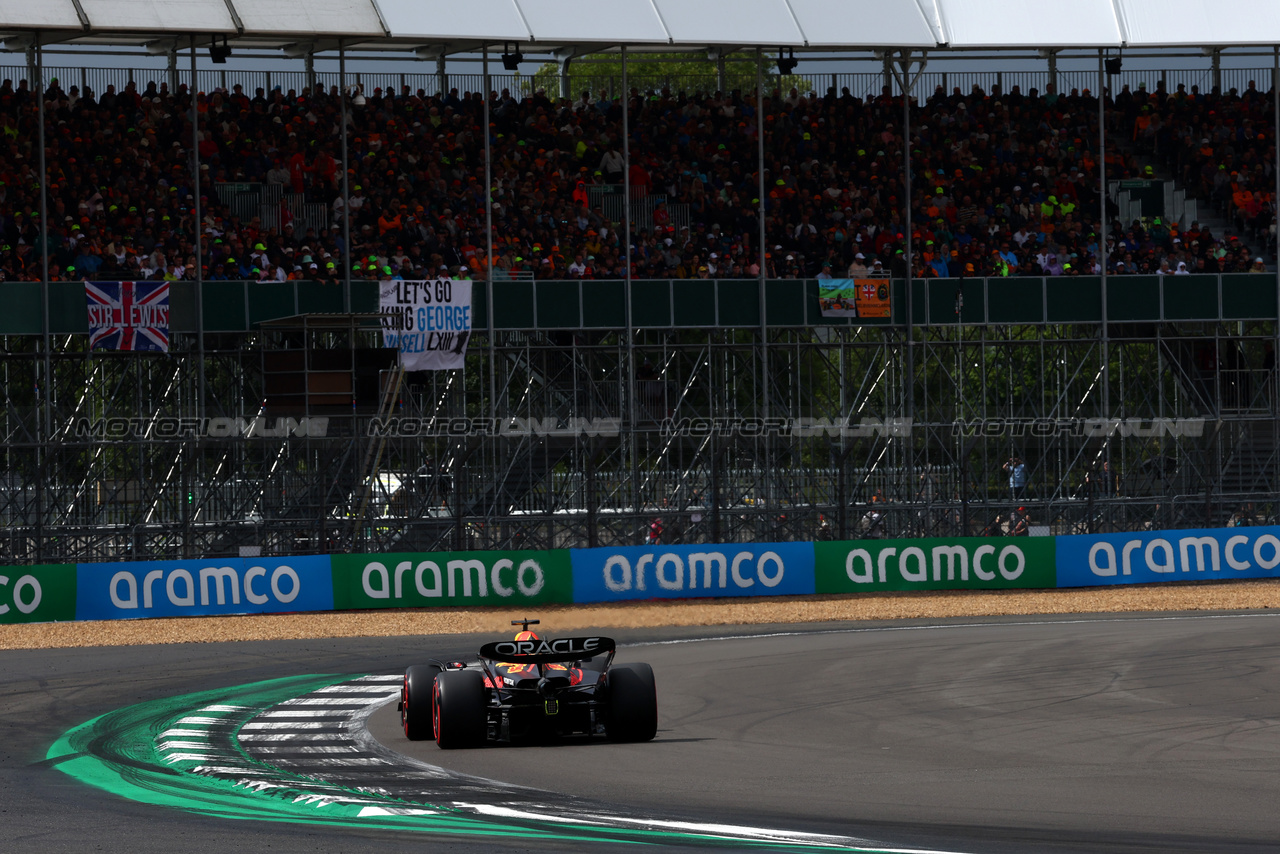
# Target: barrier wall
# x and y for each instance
(38, 594)
(684, 572)
(113, 591)
(1153, 556)
(174, 588)
(451, 578)
(935, 564)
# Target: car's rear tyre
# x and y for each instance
(633, 703)
(460, 709)
(415, 701)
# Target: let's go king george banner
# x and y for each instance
(429, 322)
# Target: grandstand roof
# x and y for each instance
(453, 26)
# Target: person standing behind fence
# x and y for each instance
(612, 164)
(1104, 482)
(872, 525)
(1017, 471)
(1019, 523)
(655, 531)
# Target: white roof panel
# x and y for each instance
(686, 24)
(869, 23)
(1050, 23)
(555, 21)
(445, 20)
(159, 15)
(311, 17)
(737, 22)
(1202, 23)
(52, 14)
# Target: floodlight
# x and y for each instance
(511, 61)
(218, 53)
(1112, 66)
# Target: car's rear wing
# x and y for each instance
(556, 651)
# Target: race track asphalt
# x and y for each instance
(1135, 733)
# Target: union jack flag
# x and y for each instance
(128, 316)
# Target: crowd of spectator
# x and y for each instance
(1002, 183)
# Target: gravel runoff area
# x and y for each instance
(1192, 596)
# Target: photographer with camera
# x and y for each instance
(1017, 471)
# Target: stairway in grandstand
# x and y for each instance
(562, 376)
(1218, 383)
(274, 207)
(1247, 475)
(1250, 465)
(1183, 209)
(1246, 441)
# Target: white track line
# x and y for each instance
(939, 626)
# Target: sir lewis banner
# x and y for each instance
(128, 316)
(429, 322)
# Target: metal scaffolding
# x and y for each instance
(548, 439)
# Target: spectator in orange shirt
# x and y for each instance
(389, 220)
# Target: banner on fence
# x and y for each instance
(680, 572)
(934, 564)
(452, 578)
(1191, 555)
(37, 594)
(429, 322)
(853, 297)
(128, 316)
(177, 588)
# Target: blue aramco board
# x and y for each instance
(681, 572)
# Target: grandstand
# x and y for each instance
(1091, 287)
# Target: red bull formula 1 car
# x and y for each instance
(530, 688)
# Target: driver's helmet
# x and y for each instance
(514, 668)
